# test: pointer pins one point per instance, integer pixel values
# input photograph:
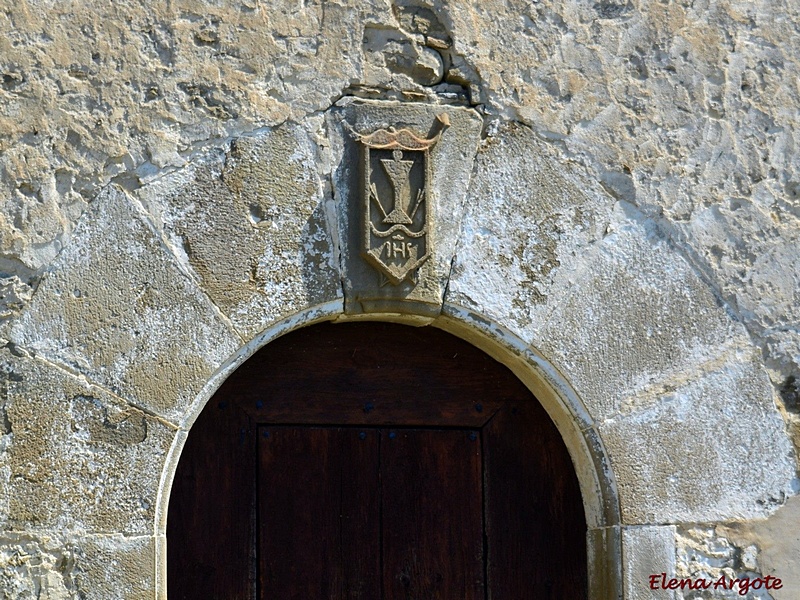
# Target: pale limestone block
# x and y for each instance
(117, 308)
(116, 567)
(532, 223)
(600, 292)
(648, 551)
(636, 315)
(777, 542)
(54, 567)
(451, 160)
(251, 226)
(708, 449)
(77, 458)
(756, 257)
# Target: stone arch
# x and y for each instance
(152, 304)
(551, 389)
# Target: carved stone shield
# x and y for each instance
(397, 203)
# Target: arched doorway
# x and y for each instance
(375, 460)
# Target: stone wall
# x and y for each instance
(629, 172)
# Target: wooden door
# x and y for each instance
(370, 513)
(379, 462)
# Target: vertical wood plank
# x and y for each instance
(318, 514)
(210, 533)
(432, 515)
(535, 523)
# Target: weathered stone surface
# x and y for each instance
(533, 223)
(93, 94)
(74, 457)
(117, 308)
(251, 224)
(769, 547)
(636, 315)
(116, 567)
(591, 283)
(32, 568)
(451, 160)
(176, 74)
(51, 567)
(647, 551)
(394, 58)
(709, 449)
(752, 248)
(15, 293)
(686, 110)
(705, 552)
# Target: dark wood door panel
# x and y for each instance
(211, 523)
(432, 521)
(421, 410)
(535, 524)
(318, 514)
(325, 495)
(372, 374)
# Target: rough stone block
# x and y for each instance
(704, 552)
(636, 315)
(116, 567)
(532, 223)
(710, 449)
(451, 159)
(756, 261)
(117, 308)
(75, 457)
(776, 542)
(647, 551)
(51, 567)
(251, 225)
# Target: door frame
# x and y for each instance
(548, 385)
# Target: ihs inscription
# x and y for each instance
(397, 205)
